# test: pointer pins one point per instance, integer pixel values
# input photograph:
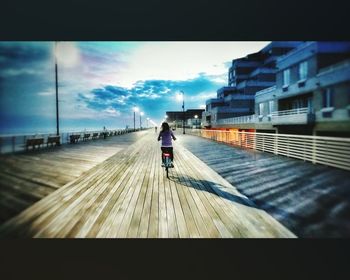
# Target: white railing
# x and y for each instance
(331, 151)
(304, 110)
(238, 120)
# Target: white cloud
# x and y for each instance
(46, 93)
(111, 112)
(16, 72)
(67, 54)
(202, 97)
(182, 60)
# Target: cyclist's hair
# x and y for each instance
(165, 126)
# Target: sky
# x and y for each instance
(99, 83)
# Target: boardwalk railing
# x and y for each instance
(331, 151)
(16, 143)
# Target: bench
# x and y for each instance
(34, 142)
(86, 136)
(103, 135)
(53, 140)
(74, 138)
(95, 135)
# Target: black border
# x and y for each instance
(174, 259)
(160, 20)
(190, 20)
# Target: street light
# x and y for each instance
(141, 114)
(135, 110)
(183, 112)
(147, 122)
(57, 117)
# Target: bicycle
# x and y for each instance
(167, 163)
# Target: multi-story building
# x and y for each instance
(312, 92)
(246, 76)
(192, 118)
(311, 95)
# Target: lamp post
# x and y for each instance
(183, 111)
(141, 114)
(147, 122)
(135, 110)
(196, 118)
(57, 116)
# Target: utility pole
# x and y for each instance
(134, 122)
(57, 116)
(183, 112)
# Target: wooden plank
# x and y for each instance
(128, 195)
(146, 210)
(200, 215)
(212, 221)
(163, 221)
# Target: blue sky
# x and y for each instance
(100, 82)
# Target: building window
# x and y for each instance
(303, 70)
(270, 106)
(286, 77)
(261, 109)
(328, 98)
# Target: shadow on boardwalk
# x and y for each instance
(221, 191)
(311, 200)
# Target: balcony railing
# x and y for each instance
(266, 90)
(304, 110)
(331, 151)
(238, 120)
(294, 116)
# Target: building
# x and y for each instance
(312, 92)
(311, 95)
(246, 76)
(192, 118)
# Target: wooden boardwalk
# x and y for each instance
(310, 200)
(128, 195)
(28, 177)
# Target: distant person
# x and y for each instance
(167, 147)
(104, 132)
(155, 129)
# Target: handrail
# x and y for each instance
(265, 91)
(238, 120)
(17, 142)
(297, 111)
(330, 151)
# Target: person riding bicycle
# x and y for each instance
(166, 135)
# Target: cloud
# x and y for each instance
(108, 78)
(10, 72)
(46, 93)
(24, 58)
(153, 97)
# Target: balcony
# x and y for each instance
(251, 119)
(263, 70)
(292, 117)
(237, 96)
(254, 83)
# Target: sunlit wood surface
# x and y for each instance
(27, 177)
(128, 195)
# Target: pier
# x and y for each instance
(128, 195)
